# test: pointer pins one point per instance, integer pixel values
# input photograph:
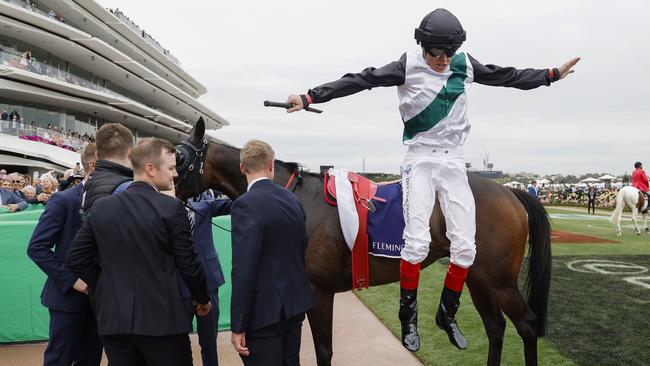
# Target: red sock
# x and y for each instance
(455, 278)
(409, 275)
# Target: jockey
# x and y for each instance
(640, 179)
(431, 82)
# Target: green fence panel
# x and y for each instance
(22, 317)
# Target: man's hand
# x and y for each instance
(238, 341)
(566, 69)
(296, 102)
(12, 208)
(203, 309)
(80, 286)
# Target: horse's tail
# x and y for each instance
(538, 278)
(620, 205)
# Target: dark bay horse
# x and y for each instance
(505, 221)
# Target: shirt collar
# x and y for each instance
(253, 182)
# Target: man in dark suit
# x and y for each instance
(73, 329)
(129, 251)
(202, 210)
(270, 290)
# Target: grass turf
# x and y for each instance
(600, 319)
(593, 319)
(435, 348)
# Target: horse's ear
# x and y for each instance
(198, 132)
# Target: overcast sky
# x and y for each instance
(244, 52)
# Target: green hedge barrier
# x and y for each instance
(22, 317)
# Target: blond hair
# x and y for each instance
(255, 155)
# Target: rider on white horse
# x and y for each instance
(640, 179)
(629, 196)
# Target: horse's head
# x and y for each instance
(190, 157)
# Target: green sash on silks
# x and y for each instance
(443, 102)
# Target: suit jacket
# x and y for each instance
(56, 228)
(9, 198)
(141, 239)
(203, 211)
(269, 239)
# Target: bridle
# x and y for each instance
(189, 164)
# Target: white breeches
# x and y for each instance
(429, 171)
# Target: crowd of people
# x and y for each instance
(578, 196)
(167, 246)
(22, 190)
(13, 124)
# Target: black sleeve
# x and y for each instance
(392, 74)
(185, 257)
(82, 255)
(510, 77)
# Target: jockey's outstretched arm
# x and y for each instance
(392, 74)
(524, 79)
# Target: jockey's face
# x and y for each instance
(438, 60)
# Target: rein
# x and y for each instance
(187, 205)
(294, 173)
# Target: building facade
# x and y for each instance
(69, 66)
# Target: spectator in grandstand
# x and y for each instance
(49, 186)
(29, 192)
(9, 199)
(18, 182)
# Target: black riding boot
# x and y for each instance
(446, 317)
(408, 316)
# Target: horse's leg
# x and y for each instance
(493, 320)
(516, 308)
(645, 222)
(635, 213)
(320, 321)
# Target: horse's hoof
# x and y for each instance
(618, 234)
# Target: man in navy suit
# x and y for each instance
(270, 290)
(73, 329)
(203, 209)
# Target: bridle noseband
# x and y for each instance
(190, 159)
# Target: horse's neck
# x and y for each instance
(223, 166)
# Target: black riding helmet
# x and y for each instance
(440, 29)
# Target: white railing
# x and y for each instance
(142, 33)
(48, 136)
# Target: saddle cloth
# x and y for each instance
(368, 213)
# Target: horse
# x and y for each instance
(633, 198)
(506, 220)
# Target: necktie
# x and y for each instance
(191, 215)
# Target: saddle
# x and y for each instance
(360, 194)
(643, 203)
(364, 190)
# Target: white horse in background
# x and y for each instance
(634, 199)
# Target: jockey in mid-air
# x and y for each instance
(431, 82)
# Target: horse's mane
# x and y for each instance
(288, 165)
(295, 166)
